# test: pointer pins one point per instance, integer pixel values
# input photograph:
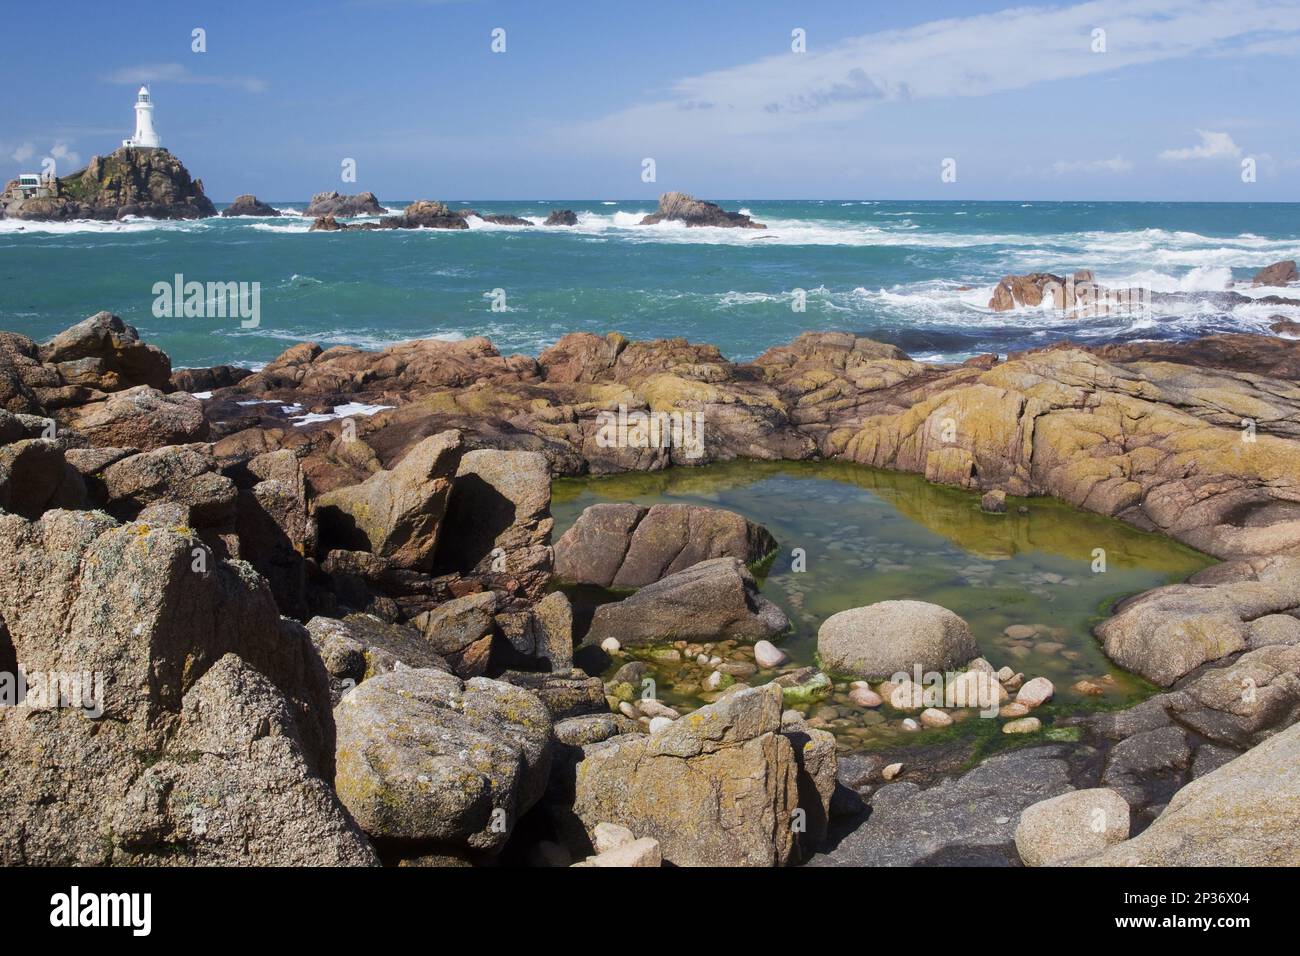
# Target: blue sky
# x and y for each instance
(1184, 91)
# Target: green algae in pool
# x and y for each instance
(874, 536)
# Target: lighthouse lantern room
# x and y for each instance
(145, 137)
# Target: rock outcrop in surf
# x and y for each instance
(679, 207)
(129, 181)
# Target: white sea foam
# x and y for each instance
(340, 411)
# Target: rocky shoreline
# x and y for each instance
(320, 597)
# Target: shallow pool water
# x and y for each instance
(872, 536)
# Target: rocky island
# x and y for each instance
(150, 183)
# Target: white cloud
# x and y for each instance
(179, 74)
(1116, 165)
(969, 56)
(65, 156)
(1212, 146)
(26, 153)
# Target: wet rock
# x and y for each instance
(425, 214)
(994, 502)
(1071, 825)
(1024, 725)
(865, 697)
(710, 600)
(804, 686)
(679, 207)
(630, 546)
(894, 636)
(336, 204)
(249, 205)
(768, 655)
(561, 217)
(1025, 290)
(1147, 767)
(425, 757)
(1278, 274)
(1035, 693)
(932, 717)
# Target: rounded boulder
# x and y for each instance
(882, 639)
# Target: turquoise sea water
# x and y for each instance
(918, 274)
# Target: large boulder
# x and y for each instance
(889, 637)
(104, 353)
(185, 474)
(423, 757)
(461, 630)
(146, 613)
(140, 417)
(396, 513)
(498, 522)
(1246, 813)
(232, 787)
(717, 787)
(22, 375)
(629, 546)
(712, 600)
(1074, 824)
(1170, 631)
(1245, 701)
(34, 476)
(679, 207)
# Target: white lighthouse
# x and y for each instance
(145, 137)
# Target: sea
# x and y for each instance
(915, 274)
